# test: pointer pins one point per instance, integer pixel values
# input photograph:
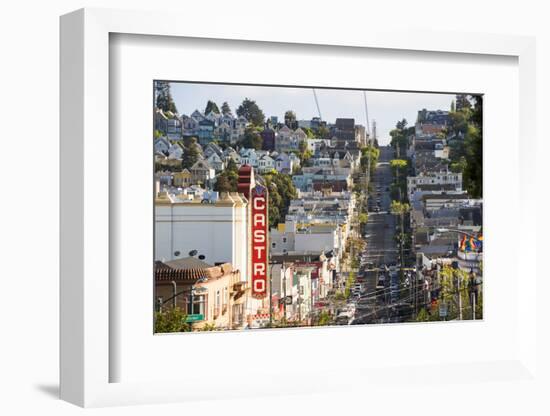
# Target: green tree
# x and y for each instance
(323, 132)
(309, 132)
(460, 166)
(290, 119)
(401, 125)
(281, 192)
(171, 320)
(211, 106)
(370, 152)
(227, 180)
(454, 292)
(252, 139)
(163, 96)
(191, 153)
(400, 209)
(398, 163)
(226, 110)
(473, 173)
(250, 110)
(466, 147)
(363, 218)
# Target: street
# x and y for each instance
(380, 287)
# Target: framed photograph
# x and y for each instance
(243, 216)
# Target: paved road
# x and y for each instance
(381, 247)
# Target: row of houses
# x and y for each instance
(229, 129)
(442, 212)
(205, 127)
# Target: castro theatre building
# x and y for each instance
(232, 228)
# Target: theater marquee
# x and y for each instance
(259, 241)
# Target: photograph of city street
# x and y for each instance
(278, 207)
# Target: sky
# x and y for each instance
(386, 107)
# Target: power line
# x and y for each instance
(317, 103)
(366, 112)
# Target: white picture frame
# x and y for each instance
(85, 344)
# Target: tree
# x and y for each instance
(460, 166)
(211, 106)
(308, 132)
(226, 110)
(281, 192)
(227, 180)
(164, 100)
(474, 150)
(171, 320)
(466, 148)
(370, 152)
(191, 154)
(250, 110)
(290, 119)
(400, 208)
(304, 153)
(401, 125)
(462, 102)
(252, 139)
(323, 132)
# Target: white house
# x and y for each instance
(265, 163)
(284, 164)
(216, 162)
(175, 152)
(198, 116)
(190, 125)
(249, 157)
(230, 153)
(162, 145)
(433, 181)
(211, 148)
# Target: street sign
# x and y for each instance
(195, 317)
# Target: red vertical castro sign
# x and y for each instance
(259, 241)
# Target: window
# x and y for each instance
(273, 245)
(217, 304)
(199, 302)
(284, 239)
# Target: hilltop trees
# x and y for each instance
(250, 110)
(226, 110)
(290, 120)
(400, 136)
(163, 97)
(211, 106)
